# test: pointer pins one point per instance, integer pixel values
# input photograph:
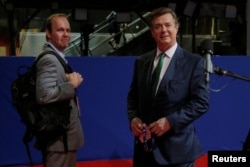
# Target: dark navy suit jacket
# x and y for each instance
(182, 97)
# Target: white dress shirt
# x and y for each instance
(169, 54)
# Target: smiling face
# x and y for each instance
(59, 35)
(164, 29)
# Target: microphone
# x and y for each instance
(220, 71)
(207, 52)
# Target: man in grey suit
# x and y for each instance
(54, 85)
(162, 119)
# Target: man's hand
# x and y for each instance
(160, 126)
(136, 126)
(140, 129)
(146, 135)
(74, 78)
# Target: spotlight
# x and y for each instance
(9, 6)
(123, 17)
(172, 6)
(80, 14)
(189, 9)
(54, 5)
(231, 11)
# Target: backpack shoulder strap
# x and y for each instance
(66, 67)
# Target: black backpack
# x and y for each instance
(47, 123)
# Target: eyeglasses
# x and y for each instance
(145, 141)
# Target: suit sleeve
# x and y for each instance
(195, 104)
(132, 98)
(51, 84)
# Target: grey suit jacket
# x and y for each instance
(182, 97)
(51, 86)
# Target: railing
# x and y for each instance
(102, 43)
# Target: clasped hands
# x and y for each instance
(158, 128)
(74, 78)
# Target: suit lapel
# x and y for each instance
(177, 61)
(148, 66)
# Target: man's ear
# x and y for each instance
(152, 34)
(48, 36)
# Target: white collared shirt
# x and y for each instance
(55, 49)
(169, 54)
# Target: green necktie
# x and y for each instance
(156, 73)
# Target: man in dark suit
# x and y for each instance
(162, 120)
(54, 85)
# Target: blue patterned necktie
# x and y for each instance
(156, 73)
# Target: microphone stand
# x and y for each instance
(221, 72)
(207, 53)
